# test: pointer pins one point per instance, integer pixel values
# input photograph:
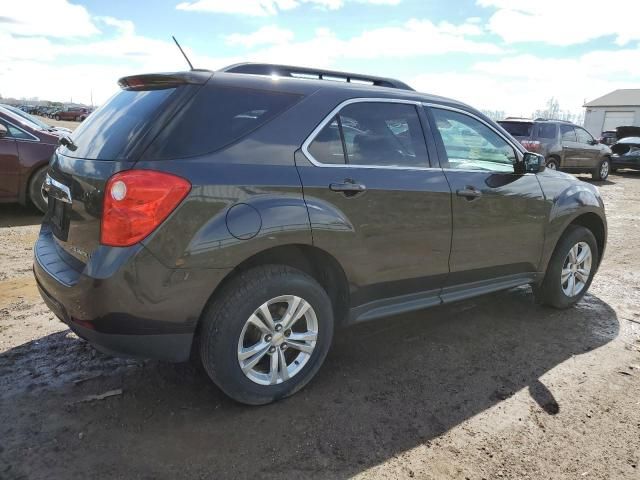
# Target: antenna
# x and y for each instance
(183, 54)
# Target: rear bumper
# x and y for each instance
(124, 301)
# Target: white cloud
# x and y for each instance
(262, 8)
(414, 38)
(564, 22)
(50, 18)
(256, 8)
(267, 35)
(29, 60)
(521, 84)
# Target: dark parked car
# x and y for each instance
(565, 146)
(71, 113)
(25, 150)
(608, 137)
(241, 218)
(626, 151)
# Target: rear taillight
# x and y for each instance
(136, 202)
(531, 145)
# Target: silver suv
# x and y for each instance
(565, 146)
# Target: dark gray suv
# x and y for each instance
(240, 216)
(565, 146)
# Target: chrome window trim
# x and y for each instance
(32, 139)
(334, 112)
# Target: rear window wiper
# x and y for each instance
(65, 140)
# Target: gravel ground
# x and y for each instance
(495, 387)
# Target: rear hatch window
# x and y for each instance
(518, 129)
(115, 130)
(216, 117)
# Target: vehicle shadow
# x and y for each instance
(15, 215)
(386, 387)
(627, 173)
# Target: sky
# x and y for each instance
(499, 55)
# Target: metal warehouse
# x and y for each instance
(616, 109)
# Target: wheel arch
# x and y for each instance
(23, 197)
(595, 224)
(313, 261)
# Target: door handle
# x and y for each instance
(347, 187)
(470, 193)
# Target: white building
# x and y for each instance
(619, 108)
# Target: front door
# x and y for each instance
(498, 215)
(589, 147)
(374, 201)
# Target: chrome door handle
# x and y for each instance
(469, 193)
(348, 188)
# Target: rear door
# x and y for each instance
(376, 203)
(499, 216)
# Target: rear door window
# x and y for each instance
(327, 145)
(386, 134)
(547, 131)
(215, 118)
(568, 133)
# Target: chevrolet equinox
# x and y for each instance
(241, 216)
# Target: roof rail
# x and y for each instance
(541, 119)
(314, 74)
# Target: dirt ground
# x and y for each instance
(495, 387)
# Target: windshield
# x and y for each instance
(518, 129)
(15, 117)
(28, 117)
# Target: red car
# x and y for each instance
(25, 150)
(72, 113)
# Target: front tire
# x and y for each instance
(601, 172)
(570, 270)
(35, 189)
(552, 163)
(57, 117)
(266, 334)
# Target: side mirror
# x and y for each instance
(3, 131)
(595, 142)
(533, 162)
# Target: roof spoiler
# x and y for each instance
(269, 69)
(158, 81)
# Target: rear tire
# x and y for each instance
(556, 288)
(35, 189)
(57, 117)
(552, 163)
(234, 325)
(601, 172)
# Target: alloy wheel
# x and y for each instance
(277, 340)
(576, 269)
(604, 169)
